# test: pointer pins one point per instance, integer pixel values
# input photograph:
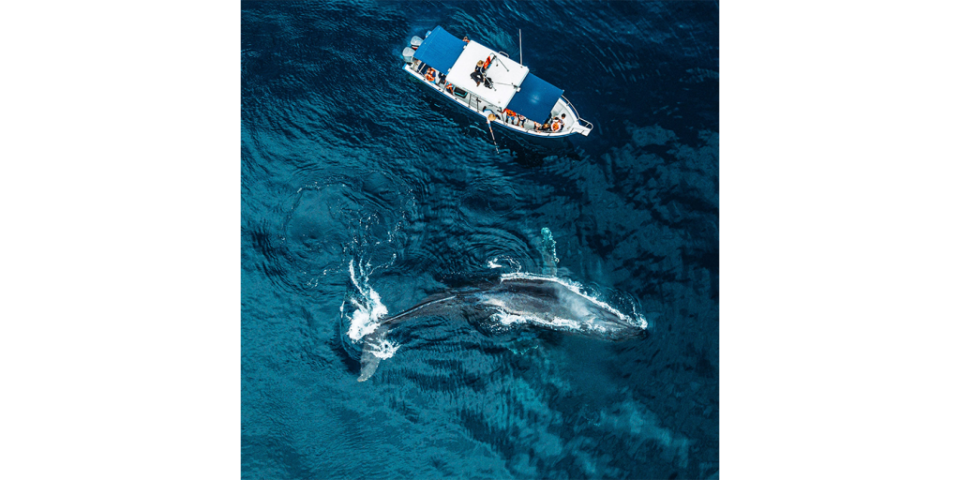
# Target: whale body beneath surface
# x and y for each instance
(517, 298)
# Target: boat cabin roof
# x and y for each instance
(506, 74)
(535, 99)
(440, 50)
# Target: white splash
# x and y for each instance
(506, 318)
(384, 349)
(493, 263)
(557, 323)
(365, 318)
(509, 318)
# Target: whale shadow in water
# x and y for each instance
(517, 299)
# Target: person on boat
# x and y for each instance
(450, 88)
(430, 74)
(465, 40)
(557, 124)
(477, 74)
(510, 116)
(521, 120)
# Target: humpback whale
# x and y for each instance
(541, 301)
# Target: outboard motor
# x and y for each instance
(408, 55)
(415, 42)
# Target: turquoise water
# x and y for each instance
(348, 165)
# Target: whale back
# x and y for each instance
(547, 301)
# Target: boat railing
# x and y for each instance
(580, 119)
(505, 54)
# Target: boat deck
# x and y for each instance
(572, 123)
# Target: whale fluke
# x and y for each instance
(372, 349)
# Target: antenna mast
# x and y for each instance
(521, 47)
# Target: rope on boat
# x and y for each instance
(494, 138)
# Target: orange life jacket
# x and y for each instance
(487, 63)
(555, 126)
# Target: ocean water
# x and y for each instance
(363, 193)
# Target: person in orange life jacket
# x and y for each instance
(430, 74)
(465, 40)
(514, 117)
(557, 123)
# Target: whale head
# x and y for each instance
(552, 302)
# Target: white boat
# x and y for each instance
(491, 85)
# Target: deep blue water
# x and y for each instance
(345, 161)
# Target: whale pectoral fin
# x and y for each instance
(369, 361)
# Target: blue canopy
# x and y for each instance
(535, 99)
(440, 50)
